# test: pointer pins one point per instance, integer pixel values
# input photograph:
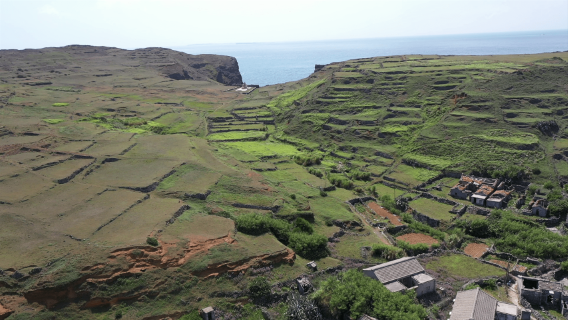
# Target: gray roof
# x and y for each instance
(506, 308)
(396, 269)
(395, 286)
(474, 304)
(422, 278)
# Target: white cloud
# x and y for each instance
(48, 10)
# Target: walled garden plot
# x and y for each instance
(432, 209)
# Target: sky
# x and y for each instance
(133, 24)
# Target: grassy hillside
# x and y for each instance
(126, 191)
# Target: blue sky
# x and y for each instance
(174, 23)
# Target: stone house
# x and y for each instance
(543, 292)
(401, 275)
(465, 187)
(498, 199)
(539, 207)
(480, 196)
(477, 304)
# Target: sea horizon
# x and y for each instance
(268, 63)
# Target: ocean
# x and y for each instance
(279, 62)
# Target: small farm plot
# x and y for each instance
(476, 250)
(433, 209)
(8, 140)
(460, 266)
(394, 219)
(132, 173)
(66, 170)
(36, 159)
(172, 146)
(22, 187)
(237, 136)
(74, 146)
(190, 178)
(83, 221)
(7, 169)
(416, 238)
(412, 176)
(108, 148)
(200, 227)
(135, 225)
(115, 136)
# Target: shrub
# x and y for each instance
(554, 195)
(252, 223)
(323, 193)
(564, 266)
(355, 294)
(549, 185)
(302, 225)
(558, 207)
(341, 182)
(259, 287)
(413, 248)
(531, 190)
(152, 241)
(316, 172)
(387, 252)
(293, 196)
(194, 315)
(360, 175)
(536, 171)
(307, 160)
(281, 230)
(389, 204)
(309, 246)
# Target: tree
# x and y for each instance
(259, 287)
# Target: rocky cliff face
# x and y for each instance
(106, 61)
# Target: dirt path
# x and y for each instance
(512, 293)
(376, 231)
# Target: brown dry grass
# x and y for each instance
(476, 250)
(415, 238)
(385, 213)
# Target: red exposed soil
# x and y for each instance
(415, 238)
(505, 264)
(143, 258)
(476, 250)
(385, 213)
(4, 312)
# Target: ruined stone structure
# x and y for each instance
(402, 274)
(539, 207)
(208, 313)
(543, 292)
(498, 199)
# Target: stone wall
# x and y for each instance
(425, 219)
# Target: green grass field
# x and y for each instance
(433, 209)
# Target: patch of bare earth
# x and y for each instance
(506, 264)
(416, 238)
(476, 250)
(385, 213)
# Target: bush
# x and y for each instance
(564, 266)
(558, 207)
(355, 294)
(413, 248)
(387, 252)
(252, 223)
(360, 175)
(302, 225)
(309, 246)
(536, 171)
(323, 193)
(194, 315)
(293, 196)
(549, 185)
(341, 182)
(315, 172)
(307, 160)
(281, 230)
(152, 241)
(531, 190)
(554, 195)
(389, 204)
(259, 287)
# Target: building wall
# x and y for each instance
(371, 274)
(426, 287)
(494, 204)
(503, 316)
(455, 192)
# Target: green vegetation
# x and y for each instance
(422, 228)
(259, 287)
(413, 249)
(287, 99)
(60, 104)
(463, 266)
(152, 241)
(53, 121)
(388, 252)
(518, 235)
(352, 293)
